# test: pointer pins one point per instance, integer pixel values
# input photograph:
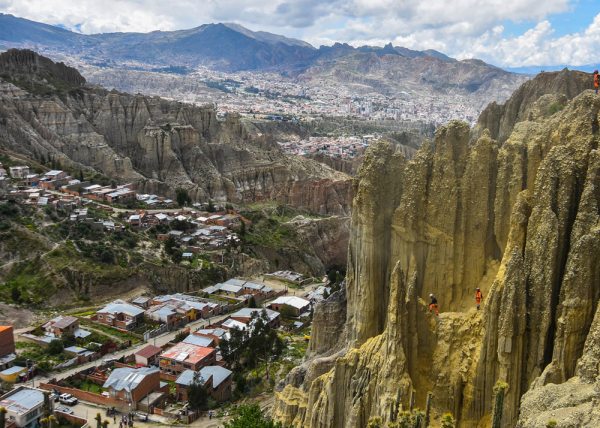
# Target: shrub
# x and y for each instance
(55, 347)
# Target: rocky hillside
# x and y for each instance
(48, 113)
(392, 74)
(512, 207)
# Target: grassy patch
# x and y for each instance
(111, 332)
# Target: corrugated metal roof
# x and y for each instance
(232, 288)
(23, 400)
(125, 378)
(198, 340)
(235, 281)
(248, 312)
(218, 373)
(12, 370)
(294, 301)
(119, 306)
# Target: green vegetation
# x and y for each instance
(84, 385)
(269, 228)
(55, 347)
(245, 349)
(28, 283)
(448, 421)
(183, 198)
(197, 394)
(113, 333)
(44, 357)
(250, 416)
(555, 108)
(499, 391)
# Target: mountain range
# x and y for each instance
(222, 46)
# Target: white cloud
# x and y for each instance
(460, 28)
(538, 46)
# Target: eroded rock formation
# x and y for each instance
(512, 207)
(46, 113)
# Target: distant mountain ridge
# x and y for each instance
(372, 81)
(223, 46)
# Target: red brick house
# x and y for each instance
(120, 314)
(216, 380)
(62, 325)
(147, 356)
(7, 340)
(131, 385)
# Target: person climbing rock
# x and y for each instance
(478, 297)
(596, 80)
(433, 305)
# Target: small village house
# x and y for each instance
(62, 325)
(147, 356)
(12, 374)
(245, 315)
(142, 301)
(215, 334)
(131, 385)
(185, 356)
(165, 314)
(24, 406)
(199, 340)
(216, 380)
(120, 314)
(7, 340)
(21, 171)
(290, 304)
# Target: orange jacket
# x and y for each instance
(596, 80)
(478, 296)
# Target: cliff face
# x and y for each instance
(158, 144)
(516, 216)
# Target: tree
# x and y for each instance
(81, 175)
(499, 391)
(448, 421)
(177, 256)
(211, 206)
(375, 422)
(180, 336)
(170, 245)
(250, 416)
(252, 302)
(55, 347)
(2, 417)
(287, 312)
(69, 339)
(182, 196)
(197, 394)
(15, 293)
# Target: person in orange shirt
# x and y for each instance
(478, 297)
(596, 80)
(433, 305)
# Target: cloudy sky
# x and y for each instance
(508, 33)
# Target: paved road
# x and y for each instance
(89, 411)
